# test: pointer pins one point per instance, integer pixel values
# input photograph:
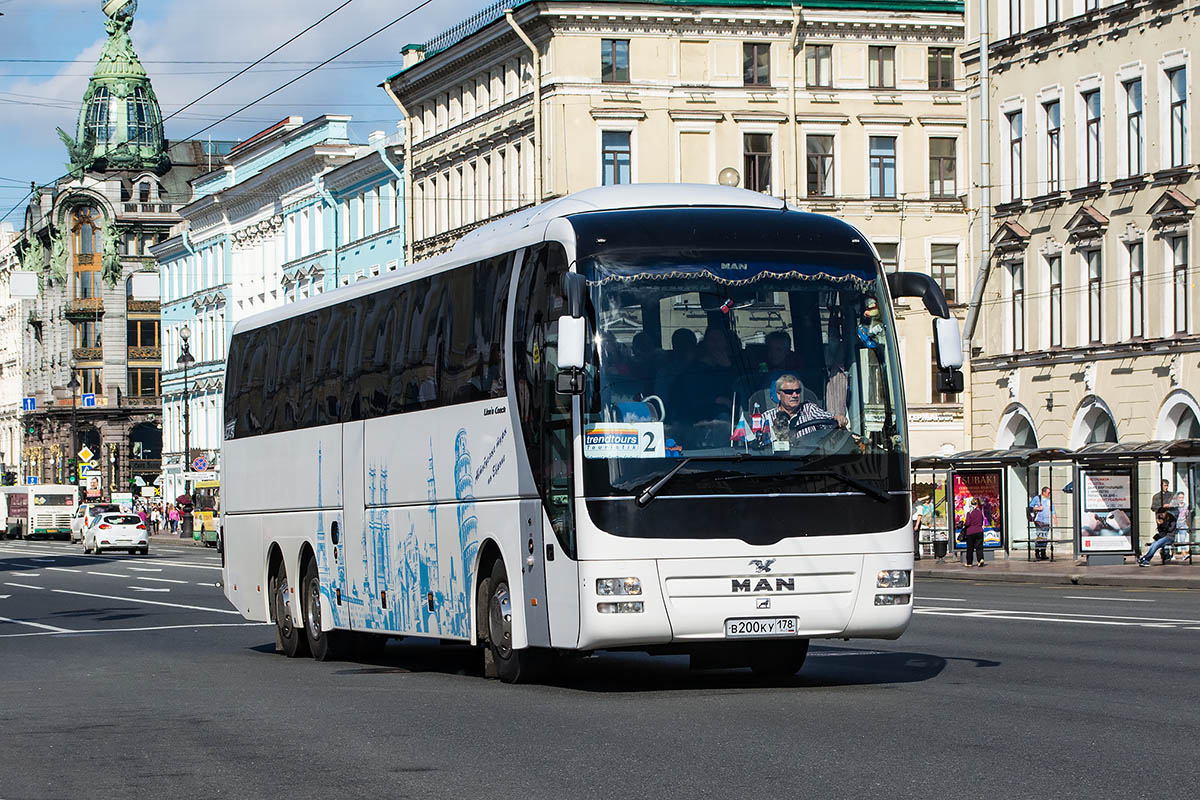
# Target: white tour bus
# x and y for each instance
(558, 437)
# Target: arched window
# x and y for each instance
(100, 119)
(1016, 430)
(142, 115)
(86, 228)
(1093, 424)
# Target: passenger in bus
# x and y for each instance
(794, 417)
(683, 352)
(704, 390)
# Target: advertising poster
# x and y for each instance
(983, 489)
(1106, 519)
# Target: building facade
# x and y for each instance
(851, 110)
(295, 210)
(1089, 317)
(12, 324)
(89, 348)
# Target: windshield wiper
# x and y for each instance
(650, 492)
(854, 483)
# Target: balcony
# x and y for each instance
(84, 307)
(145, 354)
(82, 354)
(142, 306)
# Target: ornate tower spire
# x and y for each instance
(120, 124)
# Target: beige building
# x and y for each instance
(855, 112)
(1089, 319)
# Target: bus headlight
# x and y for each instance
(892, 599)
(611, 586)
(893, 579)
(620, 608)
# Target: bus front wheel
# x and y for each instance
(502, 659)
(289, 639)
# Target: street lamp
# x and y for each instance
(73, 385)
(185, 358)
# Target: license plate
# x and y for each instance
(759, 627)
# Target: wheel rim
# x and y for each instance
(285, 615)
(500, 620)
(313, 617)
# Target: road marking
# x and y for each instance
(24, 586)
(50, 628)
(107, 574)
(214, 585)
(1113, 599)
(26, 574)
(1057, 616)
(147, 589)
(143, 601)
(5, 596)
(94, 631)
(146, 569)
(51, 560)
(944, 599)
(160, 580)
(64, 569)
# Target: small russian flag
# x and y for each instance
(741, 430)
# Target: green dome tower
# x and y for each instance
(120, 124)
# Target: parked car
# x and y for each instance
(116, 532)
(84, 516)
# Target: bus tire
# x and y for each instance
(509, 665)
(778, 659)
(289, 639)
(145, 551)
(324, 645)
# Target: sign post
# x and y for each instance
(1105, 515)
(985, 489)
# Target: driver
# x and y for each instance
(794, 417)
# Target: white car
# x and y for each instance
(116, 532)
(84, 516)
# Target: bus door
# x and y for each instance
(353, 542)
(546, 422)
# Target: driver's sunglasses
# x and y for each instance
(789, 391)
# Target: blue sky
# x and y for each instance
(48, 49)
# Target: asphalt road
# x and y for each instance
(130, 676)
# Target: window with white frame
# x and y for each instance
(943, 166)
(881, 67)
(889, 255)
(615, 157)
(1177, 122)
(756, 158)
(882, 166)
(1016, 137)
(1014, 17)
(1094, 264)
(818, 65)
(1054, 266)
(1134, 133)
(1017, 270)
(1179, 282)
(943, 266)
(1053, 114)
(1137, 290)
(1090, 6)
(819, 153)
(1091, 136)
(1052, 11)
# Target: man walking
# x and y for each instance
(1044, 519)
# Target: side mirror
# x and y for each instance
(918, 284)
(572, 334)
(574, 287)
(949, 343)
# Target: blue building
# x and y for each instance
(298, 209)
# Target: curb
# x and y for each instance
(1063, 579)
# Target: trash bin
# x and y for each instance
(940, 547)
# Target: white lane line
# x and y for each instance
(147, 589)
(93, 631)
(107, 574)
(42, 559)
(50, 628)
(143, 601)
(26, 574)
(146, 569)
(24, 586)
(160, 580)
(985, 611)
(944, 599)
(64, 569)
(1108, 599)
(214, 585)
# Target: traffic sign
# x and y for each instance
(29, 404)
(200, 463)
(88, 400)
(31, 479)
(85, 454)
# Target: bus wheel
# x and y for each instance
(510, 665)
(779, 659)
(324, 645)
(288, 638)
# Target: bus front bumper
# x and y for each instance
(680, 601)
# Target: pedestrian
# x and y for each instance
(1166, 535)
(1162, 498)
(155, 519)
(173, 517)
(972, 532)
(1183, 523)
(916, 527)
(1041, 514)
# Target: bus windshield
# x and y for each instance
(769, 373)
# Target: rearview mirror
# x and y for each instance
(949, 343)
(572, 333)
(574, 288)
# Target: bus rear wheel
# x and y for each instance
(324, 645)
(779, 659)
(508, 664)
(289, 639)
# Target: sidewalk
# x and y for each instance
(1174, 575)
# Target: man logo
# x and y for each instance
(760, 565)
(764, 585)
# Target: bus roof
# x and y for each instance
(528, 227)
